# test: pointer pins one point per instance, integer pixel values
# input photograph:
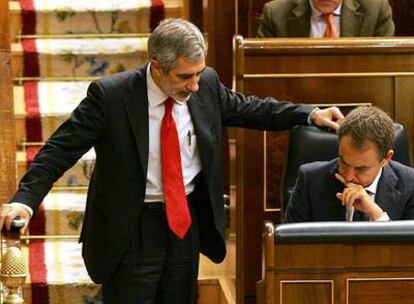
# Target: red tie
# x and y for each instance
(330, 31)
(178, 215)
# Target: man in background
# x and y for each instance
(326, 18)
(363, 183)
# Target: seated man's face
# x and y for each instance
(326, 6)
(360, 166)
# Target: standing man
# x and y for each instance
(326, 18)
(155, 199)
(363, 183)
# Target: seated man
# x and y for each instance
(326, 18)
(363, 183)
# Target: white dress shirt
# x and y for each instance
(318, 23)
(190, 155)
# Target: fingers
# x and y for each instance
(9, 212)
(339, 196)
(341, 179)
(330, 117)
(334, 118)
(5, 211)
(330, 124)
(350, 195)
(337, 114)
(353, 196)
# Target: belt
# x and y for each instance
(161, 205)
(155, 206)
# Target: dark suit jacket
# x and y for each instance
(313, 198)
(113, 119)
(359, 18)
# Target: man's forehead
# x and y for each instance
(348, 150)
(189, 66)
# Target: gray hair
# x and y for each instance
(369, 124)
(175, 38)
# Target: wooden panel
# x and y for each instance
(318, 63)
(328, 90)
(213, 291)
(219, 27)
(404, 106)
(7, 141)
(315, 292)
(360, 272)
(4, 25)
(380, 290)
(318, 256)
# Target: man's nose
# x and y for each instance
(192, 85)
(349, 174)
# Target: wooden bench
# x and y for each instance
(338, 262)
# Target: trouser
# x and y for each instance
(157, 267)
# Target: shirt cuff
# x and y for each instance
(310, 115)
(383, 218)
(27, 208)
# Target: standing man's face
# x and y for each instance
(326, 6)
(182, 80)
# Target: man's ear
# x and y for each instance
(155, 66)
(387, 158)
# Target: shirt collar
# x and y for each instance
(317, 13)
(155, 95)
(374, 185)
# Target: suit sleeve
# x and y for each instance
(409, 210)
(63, 149)
(298, 208)
(238, 110)
(385, 25)
(409, 194)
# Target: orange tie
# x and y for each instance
(331, 31)
(178, 215)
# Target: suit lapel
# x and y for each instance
(298, 24)
(204, 129)
(351, 19)
(136, 101)
(387, 193)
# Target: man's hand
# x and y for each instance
(355, 196)
(330, 117)
(8, 212)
